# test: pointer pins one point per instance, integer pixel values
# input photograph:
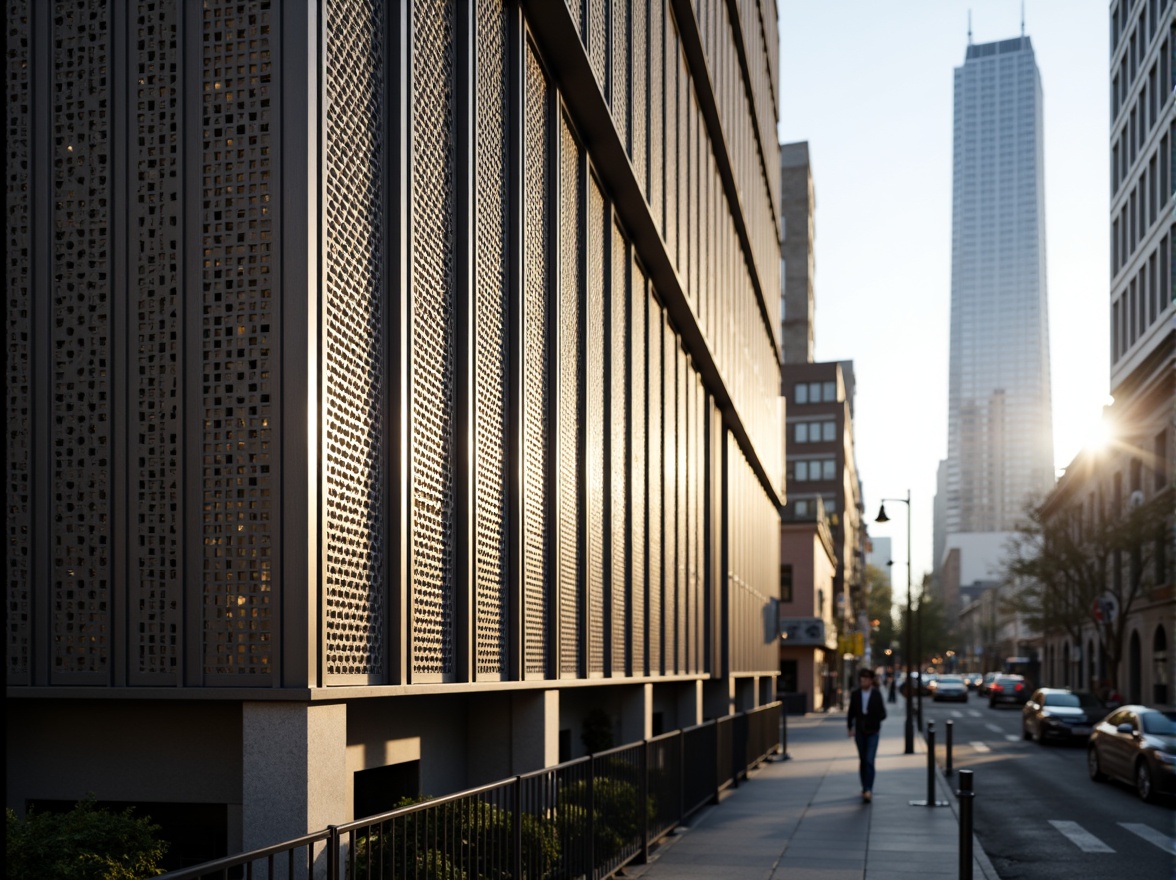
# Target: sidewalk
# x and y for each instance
(803, 818)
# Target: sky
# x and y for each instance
(868, 83)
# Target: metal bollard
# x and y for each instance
(930, 763)
(966, 795)
(947, 746)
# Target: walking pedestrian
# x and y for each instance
(866, 713)
(893, 688)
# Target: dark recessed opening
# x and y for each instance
(380, 789)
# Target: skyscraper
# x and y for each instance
(1000, 437)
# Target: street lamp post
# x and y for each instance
(908, 726)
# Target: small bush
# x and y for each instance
(87, 843)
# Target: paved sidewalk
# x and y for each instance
(803, 818)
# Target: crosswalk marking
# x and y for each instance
(1167, 844)
(1011, 738)
(1080, 837)
(980, 747)
(956, 713)
(994, 728)
(974, 713)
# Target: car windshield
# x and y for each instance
(1160, 723)
(1067, 700)
(950, 679)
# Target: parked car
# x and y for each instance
(972, 680)
(986, 682)
(1008, 689)
(1058, 713)
(1136, 744)
(927, 683)
(950, 687)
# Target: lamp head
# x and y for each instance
(882, 517)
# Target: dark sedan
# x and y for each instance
(1057, 713)
(1008, 689)
(950, 687)
(1136, 744)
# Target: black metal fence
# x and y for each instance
(580, 820)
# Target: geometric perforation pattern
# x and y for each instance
(596, 240)
(656, 443)
(81, 407)
(354, 362)
(239, 323)
(18, 332)
(490, 341)
(638, 506)
(638, 60)
(620, 69)
(433, 343)
(618, 326)
(537, 171)
(155, 214)
(571, 245)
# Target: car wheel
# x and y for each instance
(1025, 734)
(1092, 765)
(1143, 781)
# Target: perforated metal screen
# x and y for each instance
(433, 341)
(597, 240)
(354, 358)
(618, 333)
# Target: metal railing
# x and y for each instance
(580, 820)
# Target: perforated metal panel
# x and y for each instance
(639, 60)
(673, 169)
(433, 345)
(155, 588)
(618, 331)
(638, 450)
(570, 254)
(355, 371)
(490, 341)
(81, 340)
(656, 442)
(598, 15)
(620, 56)
(669, 503)
(682, 509)
(537, 170)
(238, 327)
(597, 240)
(18, 333)
(657, 117)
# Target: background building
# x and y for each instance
(1136, 469)
(1000, 439)
(390, 386)
(799, 206)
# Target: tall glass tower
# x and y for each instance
(1000, 434)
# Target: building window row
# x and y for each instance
(804, 470)
(1146, 113)
(815, 392)
(815, 432)
(1140, 210)
(1142, 300)
(1142, 32)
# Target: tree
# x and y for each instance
(880, 609)
(1066, 566)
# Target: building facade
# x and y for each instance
(390, 387)
(821, 468)
(1138, 466)
(808, 625)
(799, 205)
(1000, 439)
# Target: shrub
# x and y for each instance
(87, 843)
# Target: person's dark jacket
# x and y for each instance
(871, 722)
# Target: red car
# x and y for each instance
(1012, 689)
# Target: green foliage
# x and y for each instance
(616, 812)
(880, 607)
(87, 843)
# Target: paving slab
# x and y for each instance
(800, 816)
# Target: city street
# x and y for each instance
(1037, 813)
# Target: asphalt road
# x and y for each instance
(1037, 813)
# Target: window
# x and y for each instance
(801, 507)
(801, 393)
(830, 392)
(828, 431)
(802, 432)
(828, 469)
(785, 583)
(814, 392)
(802, 471)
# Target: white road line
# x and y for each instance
(974, 713)
(1080, 837)
(994, 728)
(1011, 738)
(956, 713)
(980, 747)
(1167, 844)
